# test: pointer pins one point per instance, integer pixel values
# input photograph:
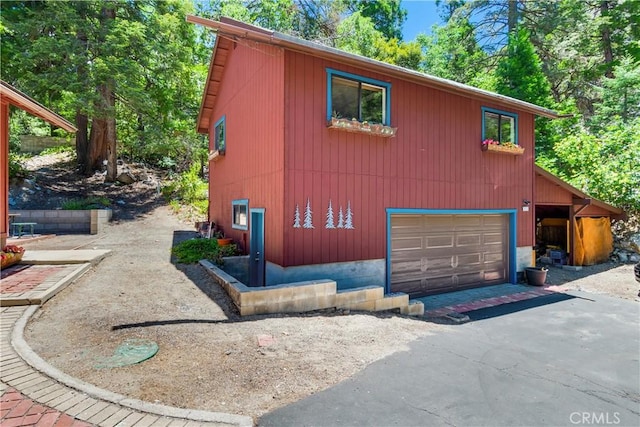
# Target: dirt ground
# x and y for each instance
(209, 357)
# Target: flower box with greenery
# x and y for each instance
(11, 254)
(356, 126)
(502, 147)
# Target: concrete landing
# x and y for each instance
(82, 256)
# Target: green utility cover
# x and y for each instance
(130, 352)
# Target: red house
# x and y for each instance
(325, 164)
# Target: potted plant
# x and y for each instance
(222, 240)
(536, 276)
(11, 254)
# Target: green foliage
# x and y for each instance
(59, 149)
(620, 96)
(387, 16)
(193, 250)
(190, 189)
(452, 52)
(16, 168)
(60, 52)
(86, 203)
(603, 165)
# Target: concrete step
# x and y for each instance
(359, 298)
(414, 308)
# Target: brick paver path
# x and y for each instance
(31, 398)
(26, 279)
(17, 409)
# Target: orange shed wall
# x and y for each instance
(4, 173)
(252, 99)
(434, 162)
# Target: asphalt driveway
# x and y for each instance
(556, 362)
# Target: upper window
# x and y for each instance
(499, 126)
(240, 213)
(220, 136)
(354, 97)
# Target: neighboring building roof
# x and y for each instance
(229, 30)
(11, 95)
(575, 192)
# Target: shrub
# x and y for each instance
(16, 169)
(190, 189)
(87, 203)
(193, 250)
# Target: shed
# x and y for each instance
(11, 96)
(577, 226)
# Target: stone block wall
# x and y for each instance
(35, 144)
(91, 221)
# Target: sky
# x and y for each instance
(421, 15)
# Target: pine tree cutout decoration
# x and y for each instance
(348, 222)
(330, 223)
(340, 219)
(308, 221)
(296, 218)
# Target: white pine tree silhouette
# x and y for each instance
(296, 218)
(348, 222)
(340, 219)
(330, 223)
(308, 221)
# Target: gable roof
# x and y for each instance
(229, 30)
(11, 95)
(575, 192)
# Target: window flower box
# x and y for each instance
(215, 155)
(356, 126)
(502, 148)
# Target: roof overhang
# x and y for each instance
(579, 198)
(231, 30)
(11, 95)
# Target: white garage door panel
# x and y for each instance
(436, 253)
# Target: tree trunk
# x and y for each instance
(512, 17)
(82, 141)
(97, 151)
(605, 32)
(110, 145)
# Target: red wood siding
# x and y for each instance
(252, 100)
(434, 162)
(549, 193)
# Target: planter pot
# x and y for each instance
(535, 276)
(11, 259)
(224, 242)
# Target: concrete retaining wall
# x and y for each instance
(309, 295)
(91, 221)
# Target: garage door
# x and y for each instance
(440, 253)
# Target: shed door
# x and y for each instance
(442, 253)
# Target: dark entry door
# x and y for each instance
(256, 252)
